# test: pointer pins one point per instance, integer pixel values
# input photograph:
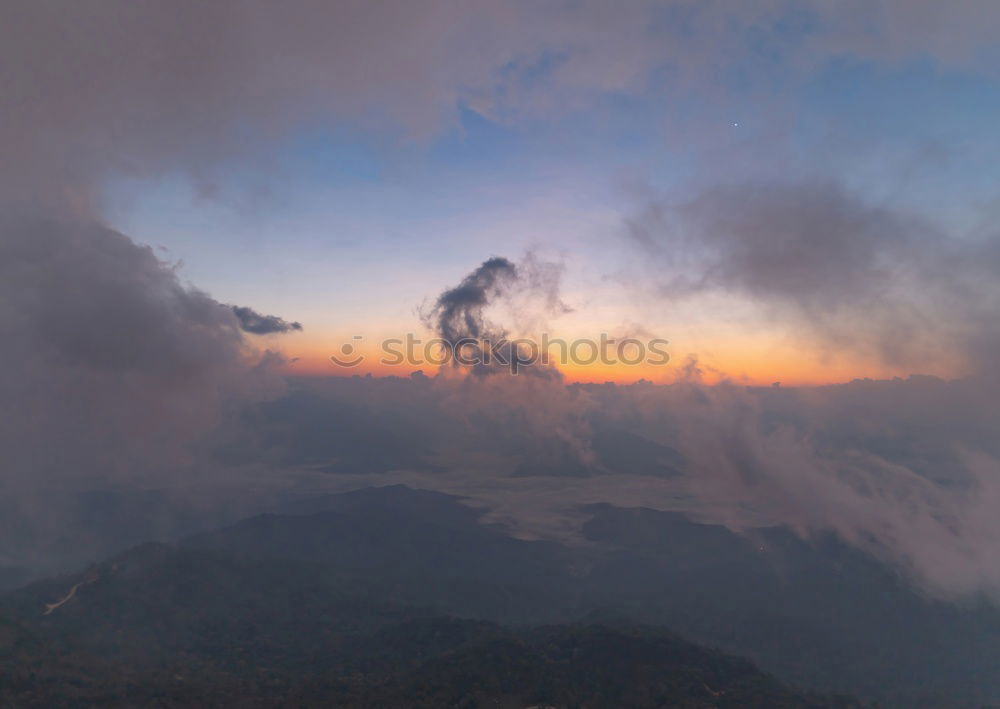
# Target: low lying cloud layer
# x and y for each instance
(907, 470)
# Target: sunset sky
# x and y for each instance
(347, 221)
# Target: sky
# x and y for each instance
(349, 223)
(201, 203)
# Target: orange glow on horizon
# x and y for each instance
(756, 363)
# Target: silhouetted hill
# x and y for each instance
(156, 601)
(298, 594)
(818, 612)
(304, 428)
(414, 547)
(428, 662)
(167, 626)
(593, 666)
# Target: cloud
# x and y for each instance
(114, 374)
(527, 293)
(458, 312)
(111, 88)
(906, 470)
(253, 322)
(824, 260)
(112, 368)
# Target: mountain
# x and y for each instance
(452, 664)
(304, 428)
(815, 611)
(298, 593)
(593, 666)
(176, 627)
(414, 547)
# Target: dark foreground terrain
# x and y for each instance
(395, 597)
(426, 662)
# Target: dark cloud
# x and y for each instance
(458, 313)
(253, 322)
(528, 293)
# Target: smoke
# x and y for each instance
(253, 322)
(458, 313)
(528, 293)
